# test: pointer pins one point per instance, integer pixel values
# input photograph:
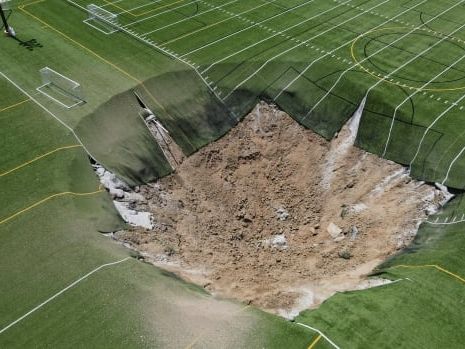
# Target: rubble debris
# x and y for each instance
(220, 213)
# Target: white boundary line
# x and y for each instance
(52, 115)
(429, 128)
(414, 94)
(375, 53)
(446, 221)
(39, 89)
(61, 292)
(453, 161)
(246, 28)
(407, 63)
(162, 49)
(151, 2)
(320, 333)
(111, 3)
(339, 47)
(188, 18)
(182, 37)
(160, 13)
(88, 22)
(271, 36)
(300, 44)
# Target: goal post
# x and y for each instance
(6, 5)
(101, 19)
(61, 89)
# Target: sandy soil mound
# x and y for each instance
(274, 215)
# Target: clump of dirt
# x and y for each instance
(271, 212)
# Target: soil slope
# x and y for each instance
(274, 215)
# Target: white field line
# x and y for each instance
(300, 44)
(446, 222)
(160, 48)
(414, 94)
(429, 48)
(158, 14)
(320, 333)
(339, 47)
(271, 36)
(429, 128)
(188, 18)
(375, 53)
(110, 3)
(52, 115)
(219, 22)
(60, 292)
(407, 24)
(247, 28)
(446, 151)
(453, 161)
(151, 2)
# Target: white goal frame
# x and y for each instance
(107, 19)
(6, 5)
(72, 91)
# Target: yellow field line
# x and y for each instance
(355, 59)
(40, 157)
(14, 105)
(458, 277)
(317, 339)
(47, 199)
(143, 13)
(118, 7)
(22, 8)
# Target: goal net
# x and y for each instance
(101, 19)
(61, 89)
(6, 5)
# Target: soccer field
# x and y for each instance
(318, 59)
(201, 65)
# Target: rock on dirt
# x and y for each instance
(333, 230)
(223, 202)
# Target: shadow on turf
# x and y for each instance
(30, 44)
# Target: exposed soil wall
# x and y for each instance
(275, 215)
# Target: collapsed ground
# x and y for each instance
(274, 215)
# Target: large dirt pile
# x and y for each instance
(275, 215)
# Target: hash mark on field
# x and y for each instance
(406, 23)
(359, 63)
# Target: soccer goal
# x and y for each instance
(101, 19)
(60, 89)
(6, 5)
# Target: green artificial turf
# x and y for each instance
(201, 66)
